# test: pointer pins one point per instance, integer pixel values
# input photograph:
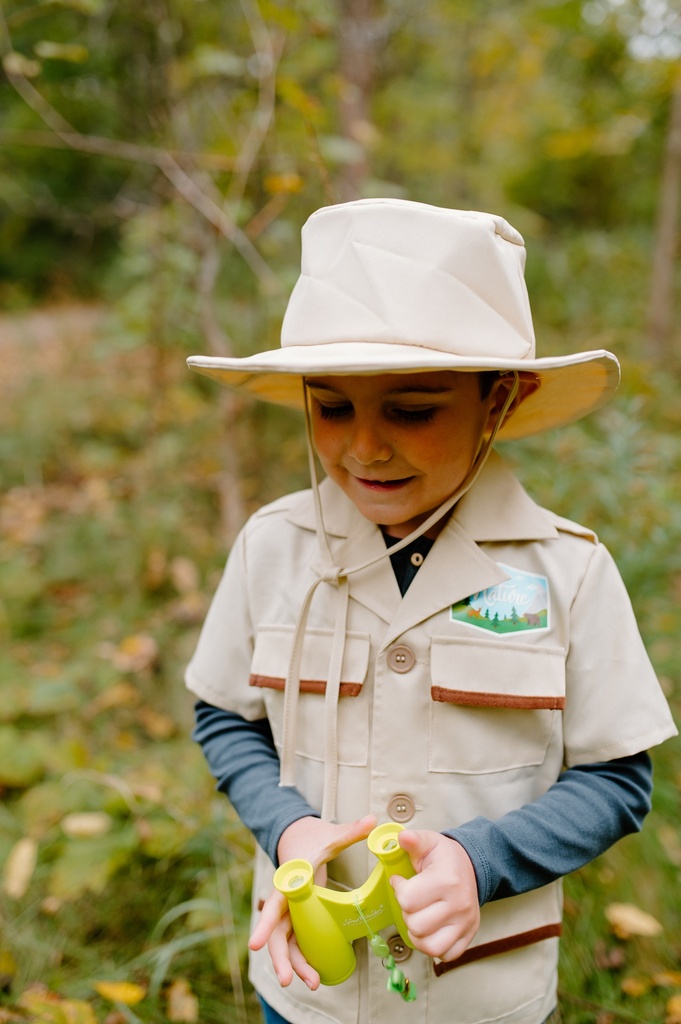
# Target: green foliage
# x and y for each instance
(528, 104)
(100, 610)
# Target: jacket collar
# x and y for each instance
(497, 508)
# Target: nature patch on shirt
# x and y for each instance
(518, 604)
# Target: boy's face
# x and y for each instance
(399, 445)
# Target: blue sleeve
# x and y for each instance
(588, 809)
(243, 759)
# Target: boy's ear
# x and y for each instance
(528, 383)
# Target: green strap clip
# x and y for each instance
(396, 979)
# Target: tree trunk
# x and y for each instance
(232, 507)
(660, 334)
(358, 40)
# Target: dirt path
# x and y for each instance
(43, 340)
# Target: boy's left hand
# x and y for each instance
(440, 903)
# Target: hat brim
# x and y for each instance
(570, 386)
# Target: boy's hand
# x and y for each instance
(440, 903)
(318, 842)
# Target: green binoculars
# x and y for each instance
(326, 922)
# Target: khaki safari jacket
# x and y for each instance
(514, 653)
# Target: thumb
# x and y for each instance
(360, 829)
(418, 844)
(350, 832)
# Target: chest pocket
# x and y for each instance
(268, 670)
(494, 704)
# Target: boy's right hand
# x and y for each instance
(318, 842)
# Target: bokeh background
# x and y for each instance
(157, 161)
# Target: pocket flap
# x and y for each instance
(497, 674)
(272, 654)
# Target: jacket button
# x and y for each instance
(401, 808)
(399, 950)
(401, 658)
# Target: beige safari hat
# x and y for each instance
(393, 286)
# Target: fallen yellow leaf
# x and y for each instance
(49, 1008)
(668, 979)
(135, 653)
(119, 695)
(19, 867)
(126, 992)
(8, 968)
(673, 1009)
(671, 844)
(77, 1011)
(288, 183)
(86, 824)
(156, 724)
(185, 575)
(636, 987)
(627, 920)
(51, 905)
(182, 1005)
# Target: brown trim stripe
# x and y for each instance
(506, 945)
(476, 699)
(306, 685)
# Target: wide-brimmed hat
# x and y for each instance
(392, 286)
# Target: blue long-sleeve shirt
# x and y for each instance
(587, 809)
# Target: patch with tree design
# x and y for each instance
(518, 604)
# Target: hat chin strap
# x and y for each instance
(337, 577)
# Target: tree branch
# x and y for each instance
(98, 145)
(182, 180)
(267, 56)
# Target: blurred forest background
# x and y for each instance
(157, 161)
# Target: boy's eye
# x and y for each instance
(403, 414)
(415, 415)
(333, 412)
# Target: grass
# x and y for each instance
(110, 542)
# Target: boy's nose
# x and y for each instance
(367, 444)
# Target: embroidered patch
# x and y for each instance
(518, 604)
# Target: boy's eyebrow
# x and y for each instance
(421, 389)
(411, 389)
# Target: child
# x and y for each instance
(415, 640)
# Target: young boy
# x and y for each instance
(415, 640)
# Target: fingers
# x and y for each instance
(301, 967)
(274, 930)
(278, 949)
(274, 909)
(440, 932)
(440, 903)
(287, 959)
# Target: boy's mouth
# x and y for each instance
(383, 485)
